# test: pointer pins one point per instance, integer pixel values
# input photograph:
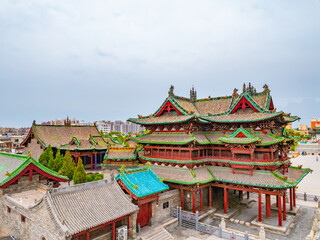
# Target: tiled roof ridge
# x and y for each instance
(208, 160)
(18, 156)
(216, 98)
(58, 222)
(77, 187)
(83, 126)
(275, 114)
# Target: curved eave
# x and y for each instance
(237, 121)
(293, 119)
(293, 184)
(138, 120)
(285, 185)
(273, 142)
(226, 140)
(155, 142)
(278, 163)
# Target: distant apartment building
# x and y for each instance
(71, 121)
(118, 126)
(104, 126)
(303, 129)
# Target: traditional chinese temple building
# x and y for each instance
(118, 156)
(236, 142)
(82, 141)
(144, 187)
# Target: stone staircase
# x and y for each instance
(158, 233)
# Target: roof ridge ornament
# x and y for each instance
(250, 89)
(235, 93)
(171, 94)
(266, 89)
(193, 94)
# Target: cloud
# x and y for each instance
(120, 56)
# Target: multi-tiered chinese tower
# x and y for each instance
(234, 142)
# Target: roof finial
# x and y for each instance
(266, 89)
(235, 93)
(193, 94)
(171, 91)
(244, 88)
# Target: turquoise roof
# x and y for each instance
(141, 181)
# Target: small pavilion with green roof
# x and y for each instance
(144, 186)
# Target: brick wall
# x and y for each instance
(169, 198)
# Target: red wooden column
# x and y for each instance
(113, 231)
(279, 211)
(268, 206)
(201, 202)
(91, 161)
(193, 201)
(181, 195)
(294, 196)
(240, 195)
(226, 198)
(259, 205)
(291, 203)
(210, 197)
(88, 235)
(248, 195)
(284, 207)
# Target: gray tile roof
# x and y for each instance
(9, 163)
(84, 206)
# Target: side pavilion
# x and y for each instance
(144, 187)
(82, 141)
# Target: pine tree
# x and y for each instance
(61, 161)
(55, 163)
(80, 175)
(46, 156)
(68, 166)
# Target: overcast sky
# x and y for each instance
(109, 60)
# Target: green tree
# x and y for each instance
(46, 156)
(68, 166)
(80, 175)
(56, 163)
